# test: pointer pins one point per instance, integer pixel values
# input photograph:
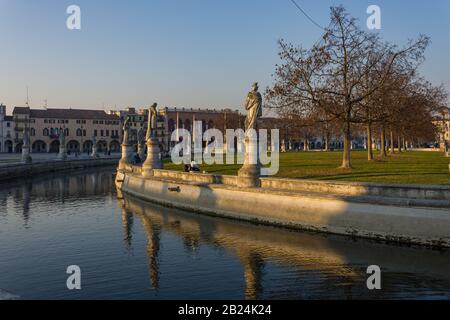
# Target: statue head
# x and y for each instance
(255, 86)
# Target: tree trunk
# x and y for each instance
(327, 147)
(392, 143)
(369, 142)
(383, 144)
(399, 142)
(306, 145)
(404, 144)
(347, 140)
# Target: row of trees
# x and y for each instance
(352, 79)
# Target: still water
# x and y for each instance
(128, 249)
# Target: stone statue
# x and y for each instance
(62, 137)
(253, 105)
(62, 145)
(153, 160)
(140, 136)
(26, 158)
(248, 175)
(151, 127)
(94, 147)
(26, 137)
(126, 131)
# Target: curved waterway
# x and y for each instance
(129, 249)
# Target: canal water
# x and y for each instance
(128, 249)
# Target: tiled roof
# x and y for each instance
(65, 113)
(9, 118)
(21, 110)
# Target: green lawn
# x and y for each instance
(405, 168)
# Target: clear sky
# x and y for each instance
(192, 53)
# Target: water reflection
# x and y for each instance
(130, 249)
(335, 266)
(55, 189)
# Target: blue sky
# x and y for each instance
(193, 53)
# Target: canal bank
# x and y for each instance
(411, 214)
(16, 171)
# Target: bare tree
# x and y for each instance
(331, 77)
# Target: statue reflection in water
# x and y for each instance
(253, 246)
(319, 265)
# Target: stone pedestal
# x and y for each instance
(153, 160)
(249, 174)
(127, 154)
(62, 155)
(26, 158)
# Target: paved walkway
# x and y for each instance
(7, 159)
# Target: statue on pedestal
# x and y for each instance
(248, 175)
(94, 147)
(62, 145)
(26, 158)
(153, 160)
(141, 143)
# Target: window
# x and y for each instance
(79, 132)
(45, 132)
(32, 132)
(107, 133)
(84, 133)
(101, 133)
(66, 132)
(95, 133)
(8, 124)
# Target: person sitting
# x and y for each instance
(194, 167)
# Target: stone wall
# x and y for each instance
(24, 171)
(422, 192)
(416, 192)
(406, 214)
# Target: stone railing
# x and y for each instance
(422, 192)
(30, 170)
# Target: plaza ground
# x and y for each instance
(412, 167)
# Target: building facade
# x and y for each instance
(6, 131)
(81, 128)
(170, 119)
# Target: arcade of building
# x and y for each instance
(82, 127)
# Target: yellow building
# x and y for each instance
(81, 127)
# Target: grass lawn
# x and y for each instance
(411, 167)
